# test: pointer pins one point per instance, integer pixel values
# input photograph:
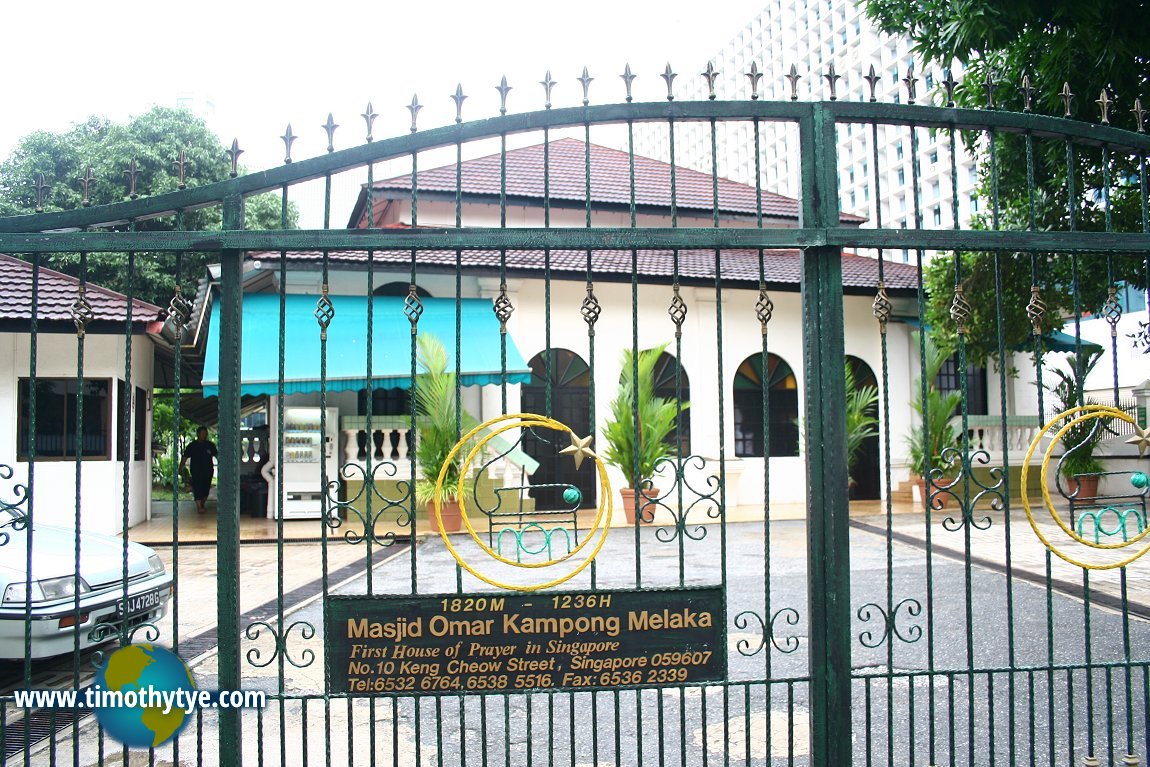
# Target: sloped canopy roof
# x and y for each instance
(781, 268)
(566, 182)
(55, 294)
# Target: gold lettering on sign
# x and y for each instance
(645, 620)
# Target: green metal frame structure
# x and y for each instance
(854, 708)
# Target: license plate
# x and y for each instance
(141, 603)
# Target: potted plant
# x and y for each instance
(1078, 465)
(437, 432)
(862, 419)
(933, 432)
(637, 453)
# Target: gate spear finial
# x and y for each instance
(547, 84)
(949, 84)
(288, 139)
(133, 173)
(872, 80)
(1139, 115)
(1067, 97)
(585, 81)
(86, 185)
(627, 80)
(1027, 94)
(233, 155)
(414, 108)
(710, 74)
(330, 127)
(458, 98)
(503, 89)
(180, 164)
(1104, 102)
(369, 116)
(793, 76)
(41, 188)
(754, 76)
(669, 77)
(832, 78)
(910, 81)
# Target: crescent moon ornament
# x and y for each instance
(1068, 421)
(595, 537)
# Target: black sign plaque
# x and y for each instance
(458, 643)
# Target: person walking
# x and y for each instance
(200, 454)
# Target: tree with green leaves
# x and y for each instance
(1087, 46)
(154, 140)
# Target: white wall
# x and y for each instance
(700, 358)
(101, 481)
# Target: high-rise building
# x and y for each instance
(811, 35)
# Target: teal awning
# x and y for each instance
(347, 344)
(1054, 341)
(1057, 341)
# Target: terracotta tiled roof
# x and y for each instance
(610, 183)
(780, 267)
(55, 294)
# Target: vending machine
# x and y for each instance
(304, 442)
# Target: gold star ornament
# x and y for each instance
(579, 449)
(1141, 438)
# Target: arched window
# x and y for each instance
(561, 388)
(783, 401)
(399, 290)
(864, 468)
(671, 381)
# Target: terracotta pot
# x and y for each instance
(1082, 488)
(939, 500)
(646, 514)
(449, 511)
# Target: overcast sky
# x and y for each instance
(266, 64)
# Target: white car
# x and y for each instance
(53, 616)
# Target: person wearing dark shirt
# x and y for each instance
(200, 454)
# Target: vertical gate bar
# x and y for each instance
(279, 488)
(177, 351)
(910, 720)
(722, 431)
(765, 420)
(1002, 395)
(635, 414)
(884, 430)
(1070, 716)
(827, 512)
(990, 715)
(1035, 277)
(950, 741)
(967, 509)
(590, 303)
(31, 527)
(228, 484)
(78, 448)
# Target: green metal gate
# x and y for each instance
(896, 633)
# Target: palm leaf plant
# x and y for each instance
(437, 423)
(1081, 440)
(862, 417)
(933, 432)
(637, 453)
